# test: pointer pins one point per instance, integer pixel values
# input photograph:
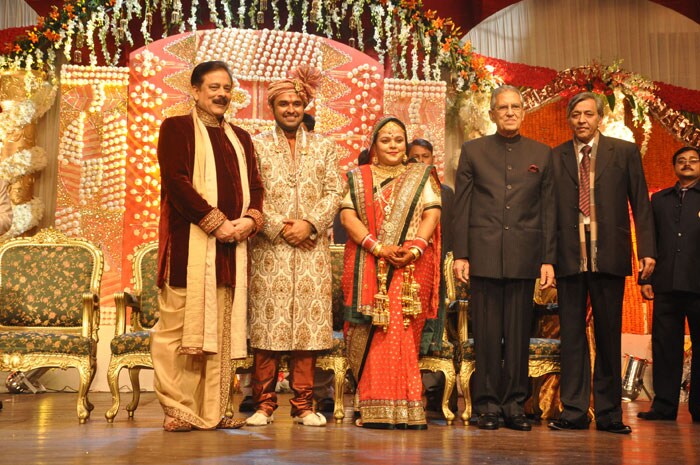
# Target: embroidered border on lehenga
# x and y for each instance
(392, 412)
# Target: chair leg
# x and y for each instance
(231, 395)
(93, 372)
(447, 393)
(113, 382)
(466, 370)
(446, 367)
(86, 371)
(340, 372)
(236, 364)
(135, 390)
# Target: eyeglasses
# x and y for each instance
(504, 108)
(691, 161)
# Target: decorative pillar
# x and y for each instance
(24, 98)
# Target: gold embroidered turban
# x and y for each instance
(304, 80)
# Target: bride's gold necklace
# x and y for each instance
(384, 171)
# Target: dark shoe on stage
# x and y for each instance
(563, 425)
(518, 422)
(326, 405)
(247, 405)
(488, 421)
(654, 415)
(616, 427)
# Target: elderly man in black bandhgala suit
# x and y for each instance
(596, 178)
(503, 239)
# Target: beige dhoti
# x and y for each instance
(193, 388)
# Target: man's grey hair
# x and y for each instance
(580, 97)
(504, 88)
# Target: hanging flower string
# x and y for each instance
(417, 44)
(541, 85)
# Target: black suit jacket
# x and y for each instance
(503, 212)
(677, 240)
(619, 178)
(447, 196)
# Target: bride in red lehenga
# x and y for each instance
(391, 277)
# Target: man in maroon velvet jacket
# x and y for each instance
(211, 203)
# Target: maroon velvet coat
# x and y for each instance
(181, 205)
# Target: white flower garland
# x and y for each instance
(15, 118)
(25, 216)
(25, 161)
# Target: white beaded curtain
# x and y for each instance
(652, 40)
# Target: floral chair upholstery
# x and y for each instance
(50, 307)
(333, 359)
(131, 346)
(544, 352)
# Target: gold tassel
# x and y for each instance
(380, 315)
(410, 296)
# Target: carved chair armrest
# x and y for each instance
(122, 300)
(91, 315)
(463, 320)
(450, 285)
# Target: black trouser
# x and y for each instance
(501, 311)
(667, 340)
(606, 293)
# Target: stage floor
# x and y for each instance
(44, 429)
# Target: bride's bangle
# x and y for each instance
(416, 252)
(368, 242)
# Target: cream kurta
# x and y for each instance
(290, 288)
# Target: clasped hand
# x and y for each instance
(297, 233)
(396, 255)
(236, 230)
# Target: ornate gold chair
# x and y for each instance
(50, 307)
(333, 359)
(441, 358)
(130, 346)
(544, 352)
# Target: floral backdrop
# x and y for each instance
(109, 180)
(416, 66)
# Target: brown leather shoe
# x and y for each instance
(230, 423)
(175, 425)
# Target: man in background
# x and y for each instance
(675, 288)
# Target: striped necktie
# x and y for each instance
(584, 185)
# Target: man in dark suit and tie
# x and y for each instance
(675, 288)
(503, 239)
(596, 177)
